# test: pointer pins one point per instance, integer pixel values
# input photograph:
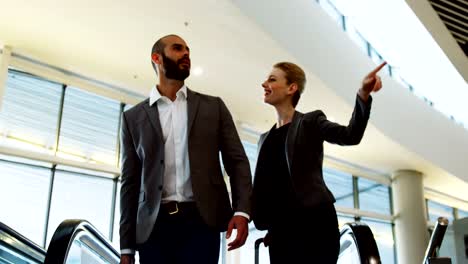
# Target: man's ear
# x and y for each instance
(156, 58)
(292, 88)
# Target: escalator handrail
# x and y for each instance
(364, 239)
(64, 236)
(11, 232)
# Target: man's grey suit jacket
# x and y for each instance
(210, 130)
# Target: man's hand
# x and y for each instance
(371, 83)
(127, 259)
(241, 224)
(267, 239)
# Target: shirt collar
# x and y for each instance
(155, 95)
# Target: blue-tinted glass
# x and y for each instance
(251, 152)
(345, 219)
(462, 214)
(116, 235)
(127, 107)
(23, 195)
(383, 235)
(247, 252)
(356, 37)
(376, 57)
(29, 114)
(436, 210)
(89, 127)
(373, 196)
(331, 11)
(341, 185)
(77, 196)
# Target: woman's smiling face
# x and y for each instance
(276, 88)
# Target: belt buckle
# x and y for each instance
(174, 210)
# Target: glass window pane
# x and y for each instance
(23, 196)
(373, 196)
(341, 185)
(356, 36)
(462, 214)
(377, 58)
(251, 152)
(29, 114)
(345, 219)
(331, 10)
(247, 252)
(398, 76)
(76, 196)
(436, 210)
(127, 107)
(86, 171)
(89, 127)
(116, 235)
(383, 235)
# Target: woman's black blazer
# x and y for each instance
(304, 156)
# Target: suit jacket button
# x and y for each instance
(160, 187)
(162, 161)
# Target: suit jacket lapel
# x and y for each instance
(291, 138)
(262, 140)
(153, 115)
(192, 107)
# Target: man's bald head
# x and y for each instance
(158, 47)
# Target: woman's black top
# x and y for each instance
(278, 185)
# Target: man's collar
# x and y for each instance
(155, 95)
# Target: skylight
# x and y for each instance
(389, 30)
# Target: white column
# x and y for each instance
(4, 62)
(411, 235)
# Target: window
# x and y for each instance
(383, 235)
(247, 252)
(251, 152)
(344, 219)
(331, 11)
(462, 214)
(115, 235)
(373, 196)
(24, 196)
(356, 37)
(29, 114)
(127, 107)
(79, 196)
(376, 57)
(89, 128)
(436, 210)
(341, 185)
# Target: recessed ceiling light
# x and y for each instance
(197, 71)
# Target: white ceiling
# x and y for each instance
(111, 41)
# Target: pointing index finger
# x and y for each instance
(376, 70)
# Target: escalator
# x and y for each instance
(15, 248)
(74, 242)
(357, 245)
(77, 241)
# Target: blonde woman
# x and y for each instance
(290, 198)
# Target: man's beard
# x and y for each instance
(172, 69)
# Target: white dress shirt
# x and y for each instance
(173, 118)
(177, 185)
